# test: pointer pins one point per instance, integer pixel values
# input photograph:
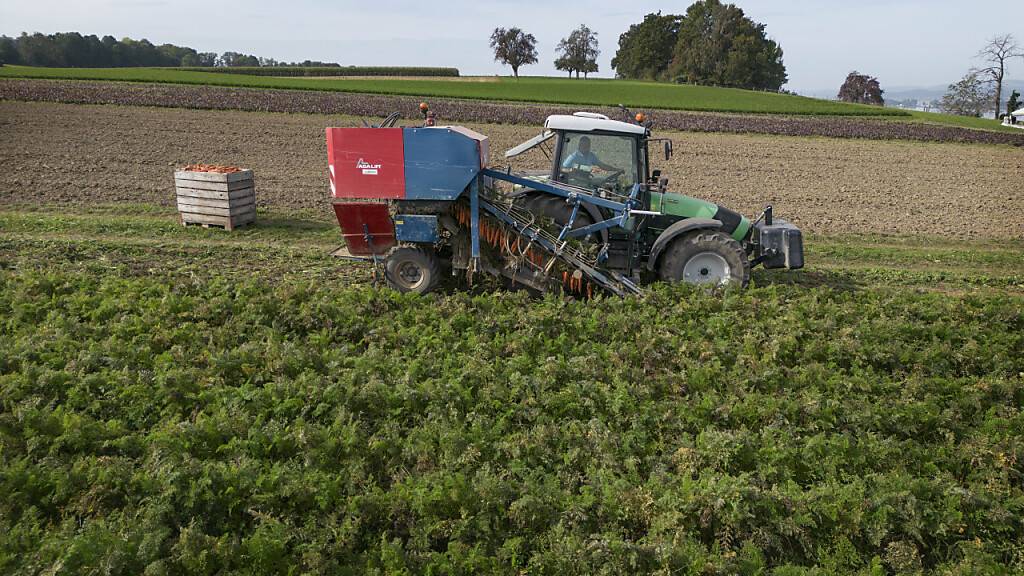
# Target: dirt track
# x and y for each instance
(72, 153)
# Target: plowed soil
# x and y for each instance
(74, 154)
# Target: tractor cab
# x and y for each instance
(596, 153)
(591, 151)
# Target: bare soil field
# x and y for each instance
(70, 154)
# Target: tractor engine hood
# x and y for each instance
(671, 204)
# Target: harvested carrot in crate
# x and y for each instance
(215, 195)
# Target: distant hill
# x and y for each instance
(73, 50)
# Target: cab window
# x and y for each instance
(598, 161)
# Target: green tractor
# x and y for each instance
(671, 236)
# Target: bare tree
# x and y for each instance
(514, 48)
(998, 50)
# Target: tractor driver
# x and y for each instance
(584, 157)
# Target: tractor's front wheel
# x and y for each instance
(705, 257)
(410, 269)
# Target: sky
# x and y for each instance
(905, 43)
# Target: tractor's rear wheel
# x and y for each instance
(556, 209)
(412, 269)
(713, 258)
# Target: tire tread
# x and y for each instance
(670, 267)
(431, 264)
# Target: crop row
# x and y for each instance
(218, 427)
(323, 102)
(561, 91)
(329, 70)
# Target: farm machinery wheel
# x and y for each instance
(556, 209)
(410, 269)
(705, 257)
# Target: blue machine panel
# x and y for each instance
(416, 228)
(439, 163)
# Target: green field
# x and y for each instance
(189, 401)
(601, 92)
(961, 121)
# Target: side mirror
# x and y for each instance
(655, 174)
(668, 149)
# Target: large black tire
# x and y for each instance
(410, 269)
(556, 208)
(705, 257)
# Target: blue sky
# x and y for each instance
(903, 42)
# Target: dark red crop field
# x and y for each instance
(267, 100)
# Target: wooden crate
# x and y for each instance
(212, 198)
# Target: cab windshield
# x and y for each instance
(598, 161)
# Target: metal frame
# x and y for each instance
(609, 280)
(622, 211)
(577, 196)
(566, 191)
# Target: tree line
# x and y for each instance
(73, 50)
(717, 44)
(980, 91)
(713, 44)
